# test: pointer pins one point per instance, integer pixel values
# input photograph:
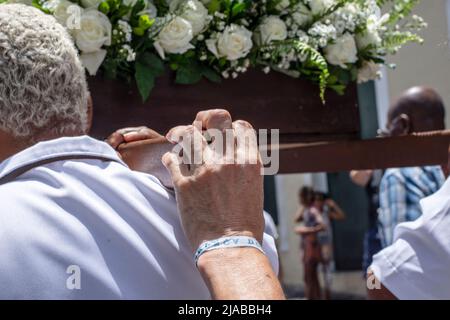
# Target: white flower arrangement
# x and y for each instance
(329, 42)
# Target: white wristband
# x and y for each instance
(227, 242)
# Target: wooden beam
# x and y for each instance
(420, 149)
(414, 150)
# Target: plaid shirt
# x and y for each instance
(400, 193)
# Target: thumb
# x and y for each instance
(172, 164)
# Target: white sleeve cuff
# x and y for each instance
(390, 267)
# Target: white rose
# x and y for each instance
(67, 13)
(369, 71)
(91, 4)
(94, 32)
(196, 13)
(233, 43)
(343, 51)
(302, 15)
(320, 6)
(175, 37)
(282, 5)
(370, 37)
(271, 29)
(93, 60)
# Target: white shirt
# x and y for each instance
(417, 264)
(120, 228)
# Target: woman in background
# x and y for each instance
(312, 224)
(329, 211)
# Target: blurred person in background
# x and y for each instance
(370, 181)
(329, 211)
(312, 225)
(416, 266)
(419, 109)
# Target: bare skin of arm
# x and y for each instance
(217, 200)
(361, 177)
(336, 213)
(241, 273)
(304, 231)
(299, 214)
(309, 230)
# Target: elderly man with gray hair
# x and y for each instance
(77, 223)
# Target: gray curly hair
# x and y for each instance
(42, 82)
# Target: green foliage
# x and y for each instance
(144, 23)
(148, 68)
(214, 6)
(401, 9)
(190, 71)
(315, 65)
(39, 5)
(394, 41)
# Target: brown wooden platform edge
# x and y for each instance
(430, 148)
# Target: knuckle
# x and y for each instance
(244, 124)
(219, 116)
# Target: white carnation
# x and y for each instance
(175, 37)
(369, 71)
(94, 32)
(320, 6)
(233, 43)
(342, 52)
(271, 29)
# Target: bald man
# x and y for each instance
(417, 263)
(419, 109)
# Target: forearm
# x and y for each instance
(309, 230)
(239, 273)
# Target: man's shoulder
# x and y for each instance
(410, 172)
(394, 175)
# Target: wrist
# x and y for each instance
(210, 236)
(227, 243)
(226, 258)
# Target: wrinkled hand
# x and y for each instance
(142, 149)
(217, 197)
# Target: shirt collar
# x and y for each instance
(67, 146)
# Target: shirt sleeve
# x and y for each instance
(271, 252)
(393, 208)
(416, 265)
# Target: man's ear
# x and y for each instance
(401, 125)
(90, 114)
